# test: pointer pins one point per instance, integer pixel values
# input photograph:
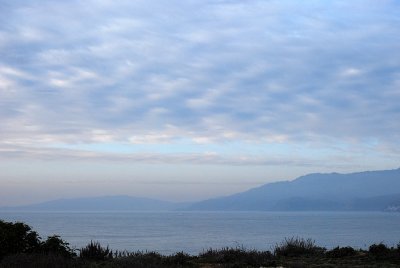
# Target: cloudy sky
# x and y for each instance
(184, 100)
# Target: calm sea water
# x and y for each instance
(192, 232)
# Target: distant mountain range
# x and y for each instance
(371, 190)
(365, 191)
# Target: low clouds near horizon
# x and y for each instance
(311, 86)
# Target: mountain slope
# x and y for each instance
(334, 191)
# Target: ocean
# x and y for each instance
(193, 232)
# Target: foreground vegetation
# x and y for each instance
(22, 247)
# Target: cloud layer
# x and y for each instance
(197, 74)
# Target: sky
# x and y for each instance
(187, 100)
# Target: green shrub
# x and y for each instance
(295, 246)
(94, 251)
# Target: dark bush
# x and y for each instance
(378, 250)
(138, 259)
(237, 256)
(94, 251)
(37, 260)
(153, 260)
(341, 252)
(382, 252)
(54, 244)
(178, 259)
(295, 246)
(17, 238)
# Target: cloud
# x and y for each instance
(210, 72)
(9, 152)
